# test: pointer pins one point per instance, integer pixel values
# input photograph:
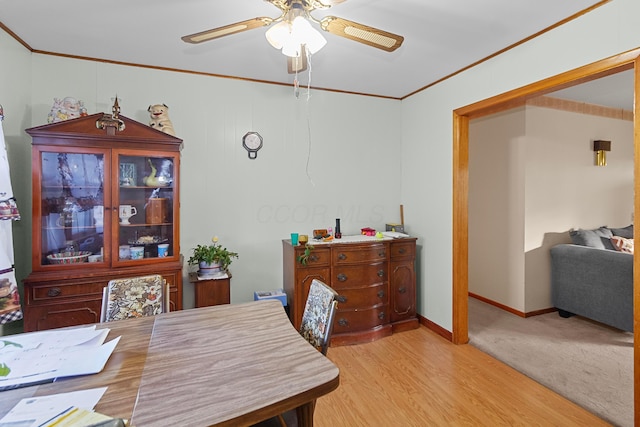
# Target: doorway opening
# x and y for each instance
(509, 100)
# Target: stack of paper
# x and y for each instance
(60, 410)
(36, 358)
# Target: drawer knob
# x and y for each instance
(343, 322)
(380, 294)
(381, 316)
(342, 277)
(341, 298)
(54, 292)
(342, 256)
(402, 251)
(313, 257)
(380, 273)
(382, 254)
(402, 290)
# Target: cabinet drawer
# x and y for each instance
(372, 253)
(317, 257)
(65, 290)
(71, 290)
(360, 320)
(403, 250)
(358, 275)
(358, 298)
(171, 280)
(60, 315)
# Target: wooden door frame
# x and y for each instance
(518, 97)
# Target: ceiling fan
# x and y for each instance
(280, 35)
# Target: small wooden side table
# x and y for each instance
(211, 291)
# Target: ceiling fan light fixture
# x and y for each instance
(291, 35)
(291, 48)
(278, 34)
(312, 39)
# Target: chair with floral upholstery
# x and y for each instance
(134, 297)
(316, 327)
(317, 318)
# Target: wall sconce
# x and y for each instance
(601, 147)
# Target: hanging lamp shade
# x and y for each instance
(277, 34)
(290, 36)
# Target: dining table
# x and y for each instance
(224, 365)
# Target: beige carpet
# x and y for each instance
(587, 362)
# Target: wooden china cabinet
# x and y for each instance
(105, 197)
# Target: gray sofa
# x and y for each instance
(594, 282)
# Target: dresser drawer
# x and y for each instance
(51, 290)
(360, 320)
(403, 250)
(359, 298)
(318, 257)
(358, 254)
(66, 290)
(349, 276)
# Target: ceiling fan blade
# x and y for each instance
(361, 33)
(328, 3)
(227, 30)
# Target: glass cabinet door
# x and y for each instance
(72, 207)
(145, 205)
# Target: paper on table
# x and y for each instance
(51, 358)
(394, 234)
(86, 360)
(34, 411)
(51, 339)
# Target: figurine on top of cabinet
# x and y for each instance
(160, 118)
(65, 109)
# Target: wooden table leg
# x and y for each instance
(305, 414)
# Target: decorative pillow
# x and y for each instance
(622, 244)
(600, 238)
(626, 232)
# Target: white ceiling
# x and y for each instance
(614, 91)
(441, 37)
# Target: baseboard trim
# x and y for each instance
(434, 327)
(512, 310)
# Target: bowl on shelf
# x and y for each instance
(69, 257)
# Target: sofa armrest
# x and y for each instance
(594, 283)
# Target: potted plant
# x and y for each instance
(212, 259)
(304, 257)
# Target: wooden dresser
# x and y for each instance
(375, 280)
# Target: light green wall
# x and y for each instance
(330, 156)
(368, 155)
(427, 130)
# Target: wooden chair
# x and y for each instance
(134, 297)
(316, 326)
(317, 318)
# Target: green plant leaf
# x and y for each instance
(4, 370)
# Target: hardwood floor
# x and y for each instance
(417, 378)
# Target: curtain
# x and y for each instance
(9, 298)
